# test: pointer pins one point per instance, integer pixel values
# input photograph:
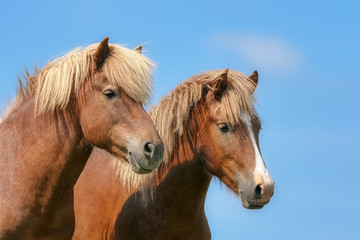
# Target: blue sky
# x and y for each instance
(307, 55)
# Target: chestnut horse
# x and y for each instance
(209, 128)
(89, 97)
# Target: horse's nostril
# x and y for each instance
(258, 191)
(149, 149)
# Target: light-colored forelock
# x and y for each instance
(52, 86)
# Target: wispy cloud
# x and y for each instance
(270, 53)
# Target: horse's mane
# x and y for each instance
(172, 112)
(52, 86)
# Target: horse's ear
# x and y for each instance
(254, 77)
(101, 53)
(219, 86)
(138, 49)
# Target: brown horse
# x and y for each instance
(209, 127)
(89, 97)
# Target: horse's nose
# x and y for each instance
(149, 149)
(264, 189)
(154, 151)
(264, 192)
(258, 192)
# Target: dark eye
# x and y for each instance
(223, 127)
(109, 94)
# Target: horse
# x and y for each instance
(91, 96)
(210, 128)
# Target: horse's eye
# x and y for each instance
(109, 94)
(223, 127)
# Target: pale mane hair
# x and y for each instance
(170, 116)
(52, 86)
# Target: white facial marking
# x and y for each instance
(261, 174)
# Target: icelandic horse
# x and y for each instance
(89, 97)
(209, 128)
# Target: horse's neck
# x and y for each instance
(185, 185)
(44, 156)
(177, 208)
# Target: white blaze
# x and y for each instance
(261, 174)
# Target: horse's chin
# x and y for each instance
(135, 164)
(249, 205)
(249, 202)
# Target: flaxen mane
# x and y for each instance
(172, 112)
(52, 86)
